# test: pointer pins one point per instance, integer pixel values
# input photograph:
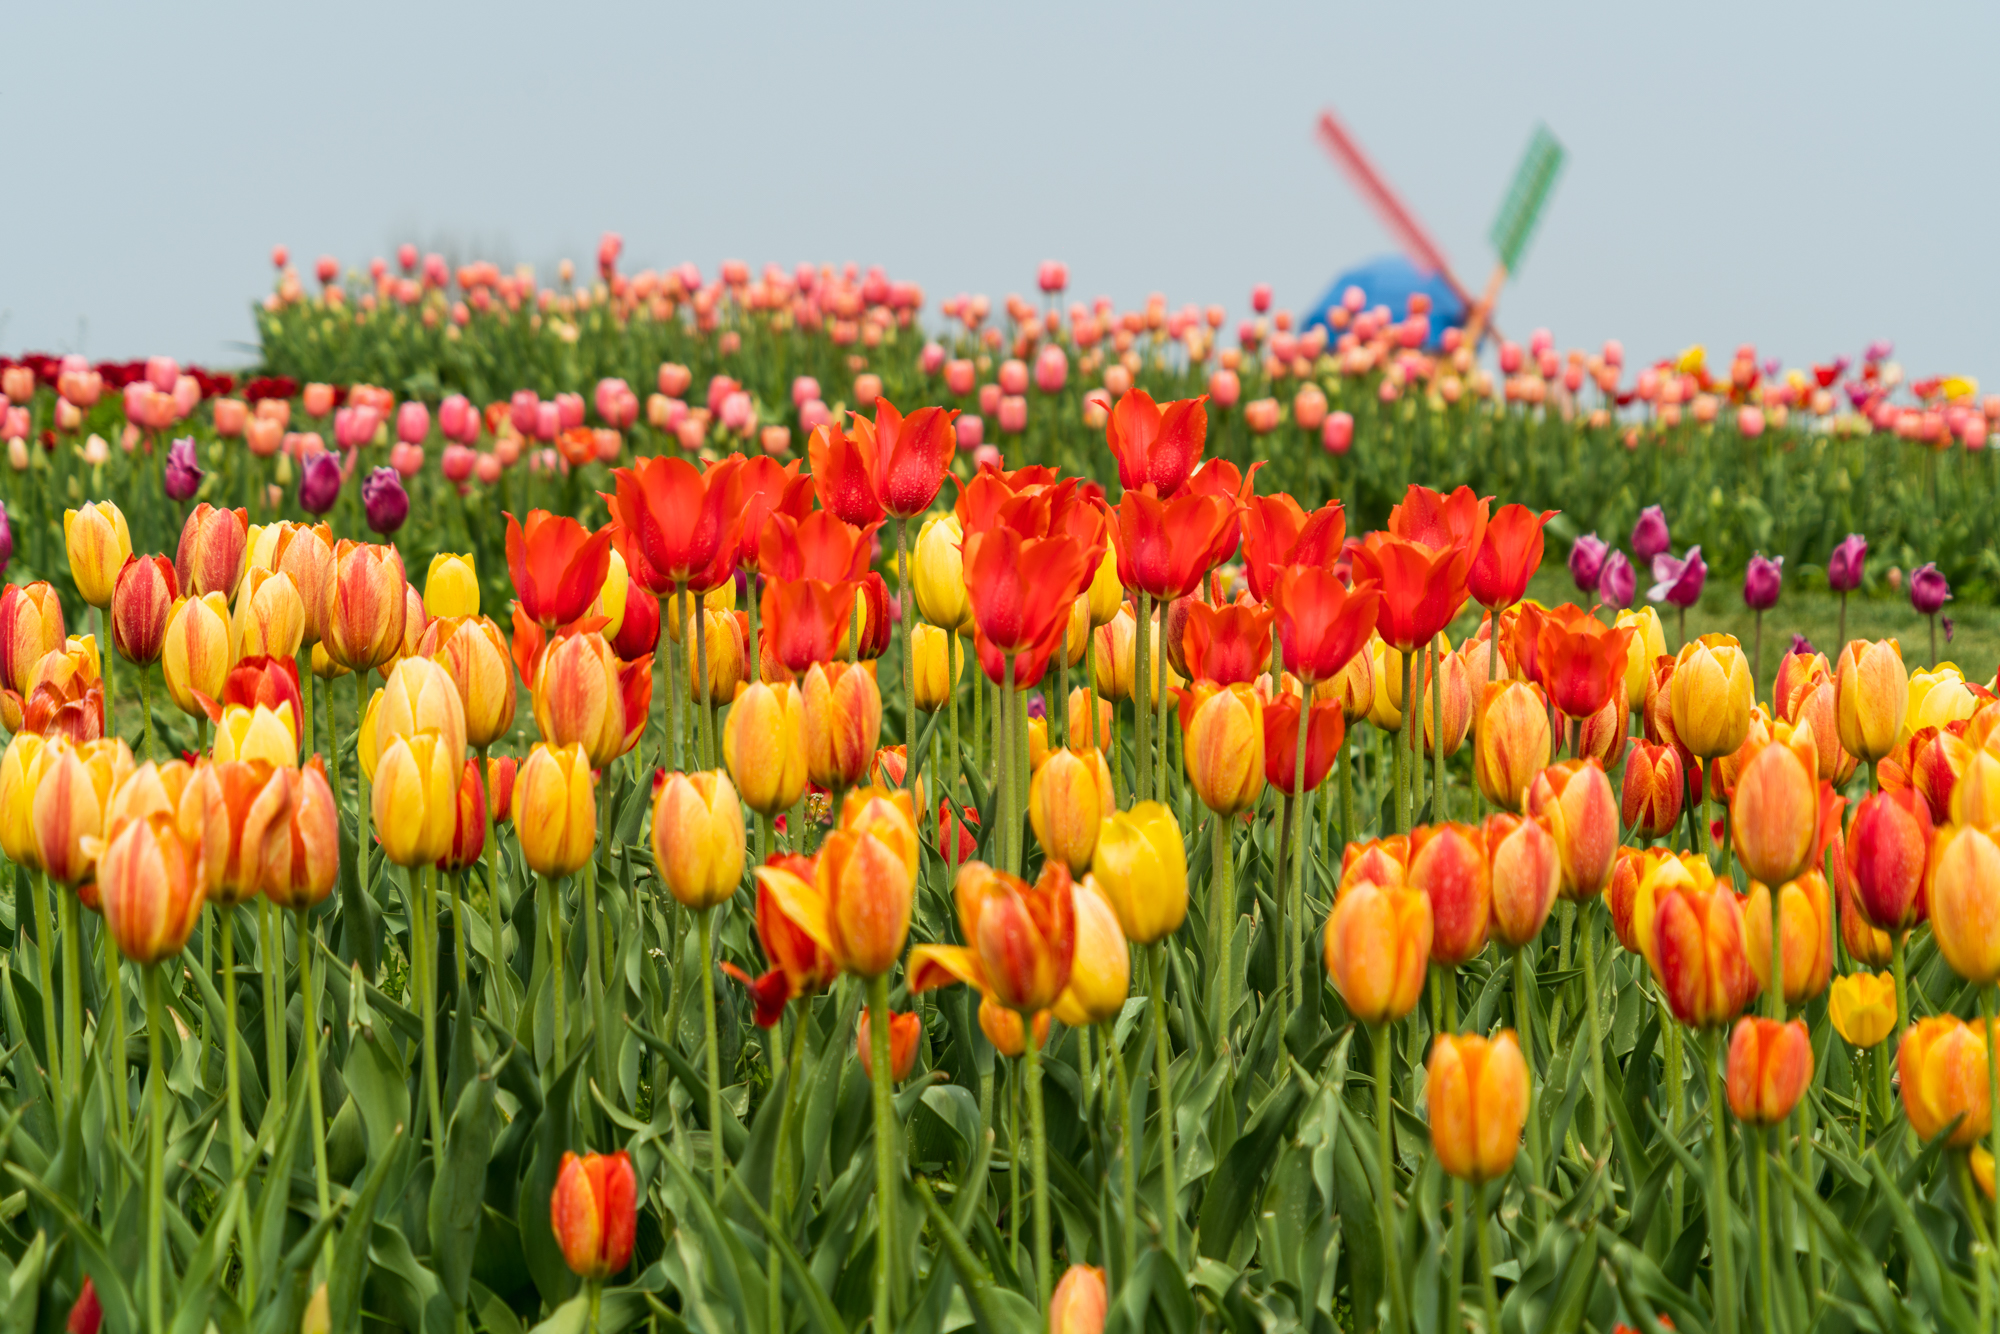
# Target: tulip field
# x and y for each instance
(683, 802)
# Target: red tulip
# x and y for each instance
(1322, 624)
(892, 465)
(1228, 644)
(1580, 662)
(1508, 556)
(1156, 446)
(557, 565)
(677, 520)
(1421, 589)
(1166, 546)
(805, 620)
(1277, 534)
(1455, 522)
(1324, 732)
(756, 491)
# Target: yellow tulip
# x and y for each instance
(270, 615)
(1712, 696)
(698, 838)
(1140, 866)
(1863, 1007)
(937, 573)
(764, 745)
(415, 799)
(1100, 971)
(257, 734)
(98, 542)
(198, 650)
(451, 588)
(555, 810)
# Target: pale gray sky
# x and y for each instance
(1805, 177)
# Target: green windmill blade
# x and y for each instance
(1521, 210)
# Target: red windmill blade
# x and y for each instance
(1409, 233)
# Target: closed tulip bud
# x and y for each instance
(1711, 696)
(723, 664)
(1100, 969)
(698, 838)
(212, 549)
(1478, 1095)
(1888, 847)
(938, 573)
(905, 1032)
(1068, 799)
(270, 618)
(1080, 722)
(1638, 878)
(1941, 1069)
(594, 1213)
(1448, 863)
(451, 588)
(1937, 698)
(31, 624)
(197, 651)
(1004, 1029)
(1324, 732)
(1872, 697)
(257, 734)
(1655, 786)
(1964, 893)
(305, 552)
(1385, 665)
(1022, 938)
(1646, 646)
(763, 743)
(1806, 913)
(1769, 1066)
(302, 856)
(1223, 727)
(1353, 688)
(150, 887)
(472, 651)
(842, 722)
(1774, 813)
(1457, 690)
(1511, 743)
(1105, 594)
(142, 597)
(857, 906)
(1699, 957)
(1378, 945)
(1863, 1008)
(1575, 800)
(1111, 656)
(73, 785)
(21, 770)
(584, 695)
(418, 696)
(940, 659)
(415, 798)
(1081, 1303)
(554, 809)
(1140, 866)
(1525, 871)
(363, 606)
(1379, 861)
(98, 542)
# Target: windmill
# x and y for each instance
(1421, 267)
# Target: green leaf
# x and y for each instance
(350, 1250)
(458, 1191)
(1235, 1190)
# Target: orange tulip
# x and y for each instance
(1421, 588)
(270, 617)
(1525, 870)
(905, 1030)
(1324, 733)
(698, 838)
(557, 565)
(1770, 1064)
(1223, 731)
(302, 858)
(764, 745)
(1888, 846)
(1278, 535)
(303, 551)
(584, 695)
(213, 544)
(1869, 945)
(1699, 957)
(1581, 663)
(1448, 863)
(1478, 1094)
(1081, 1303)
(1226, 644)
(141, 599)
(1574, 797)
(73, 785)
(857, 905)
(31, 624)
(894, 464)
(1639, 879)
(1156, 445)
(1380, 861)
(841, 714)
(1871, 696)
(472, 650)
(1353, 687)
(1023, 938)
(1004, 1029)
(799, 967)
(1458, 702)
(1378, 944)
(1941, 1068)
(1806, 920)
(1321, 624)
(1774, 813)
(594, 1213)
(363, 606)
(1511, 743)
(1964, 893)
(1655, 786)
(149, 884)
(1165, 547)
(246, 806)
(1507, 556)
(1068, 798)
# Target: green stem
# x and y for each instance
(1128, 1182)
(1897, 962)
(704, 706)
(1592, 1008)
(1038, 1150)
(304, 668)
(705, 928)
(72, 985)
(1163, 1071)
(106, 653)
(781, 1188)
(1302, 836)
(1676, 1111)
(1386, 1197)
(905, 658)
(146, 708)
(1524, 1022)
(227, 913)
(1014, 786)
(364, 818)
(1763, 1174)
(423, 956)
(1723, 1277)
(272, 930)
(1438, 807)
(156, 1155)
(885, 1148)
(552, 924)
(595, 1288)
(496, 966)
(1404, 806)
(45, 964)
(1992, 1090)
(679, 615)
(1774, 994)
(1221, 904)
(309, 1052)
(460, 939)
(594, 980)
(1488, 1289)
(1142, 714)
(114, 1017)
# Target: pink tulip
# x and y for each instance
(508, 449)
(1013, 376)
(776, 440)
(1750, 421)
(1261, 415)
(548, 421)
(69, 417)
(804, 388)
(280, 257)
(452, 415)
(1338, 433)
(1013, 414)
(230, 415)
(406, 458)
(1309, 408)
(413, 424)
(264, 435)
(813, 414)
(186, 395)
(16, 424)
(738, 414)
(959, 375)
(436, 272)
(867, 388)
(162, 372)
(609, 247)
(1224, 388)
(458, 462)
(931, 358)
(1052, 276)
(318, 400)
(487, 469)
(1260, 298)
(1051, 369)
(406, 256)
(326, 269)
(569, 412)
(971, 430)
(523, 408)
(161, 410)
(986, 454)
(610, 444)
(692, 432)
(989, 398)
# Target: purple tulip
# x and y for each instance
(1800, 644)
(1649, 535)
(6, 539)
(1947, 629)
(319, 484)
(385, 500)
(1616, 582)
(1762, 582)
(1678, 582)
(1928, 589)
(1843, 567)
(1037, 706)
(1586, 561)
(182, 476)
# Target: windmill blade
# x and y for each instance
(1402, 225)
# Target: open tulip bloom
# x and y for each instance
(847, 813)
